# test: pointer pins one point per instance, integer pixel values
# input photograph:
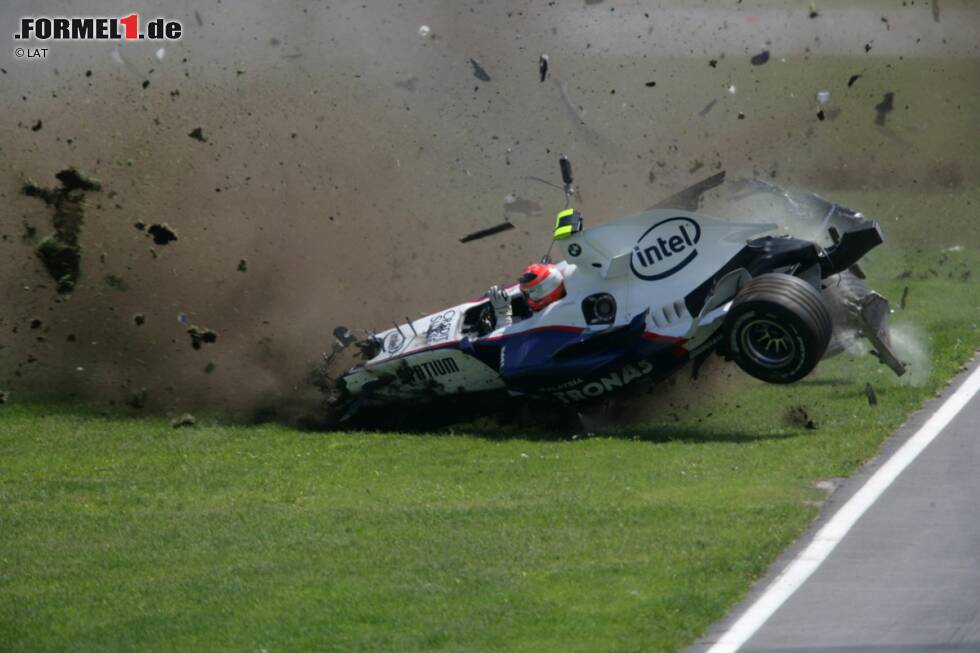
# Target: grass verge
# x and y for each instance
(123, 533)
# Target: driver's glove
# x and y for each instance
(500, 301)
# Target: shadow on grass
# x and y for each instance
(498, 425)
(653, 433)
(837, 381)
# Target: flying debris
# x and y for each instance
(478, 71)
(60, 252)
(514, 204)
(200, 336)
(853, 79)
(184, 421)
(761, 58)
(869, 392)
(886, 106)
(162, 234)
(489, 231)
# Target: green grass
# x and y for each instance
(126, 534)
(120, 534)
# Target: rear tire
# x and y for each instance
(778, 328)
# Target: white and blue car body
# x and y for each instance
(645, 295)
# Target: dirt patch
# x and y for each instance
(800, 416)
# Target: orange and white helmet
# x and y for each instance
(542, 284)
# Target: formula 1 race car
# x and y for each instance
(643, 296)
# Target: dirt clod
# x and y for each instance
(198, 134)
(243, 265)
(137, 398)
(162, 233)
(478, 71)
(116, 282)
(139, 319)
(184, 421)
(200, 336)
(60, 252)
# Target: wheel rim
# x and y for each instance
(768, 343)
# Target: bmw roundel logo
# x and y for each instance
(574, 249)
(394, 342)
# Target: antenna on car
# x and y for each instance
(569, 221)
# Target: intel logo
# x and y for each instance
(665, 248)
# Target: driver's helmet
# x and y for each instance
(542, 284)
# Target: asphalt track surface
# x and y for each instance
(904, 576)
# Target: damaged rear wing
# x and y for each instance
(848, 249)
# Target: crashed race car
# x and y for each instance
(634, 301)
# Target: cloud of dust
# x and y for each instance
(340, 152)
(912, 347)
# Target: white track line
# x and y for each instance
(834, 531)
